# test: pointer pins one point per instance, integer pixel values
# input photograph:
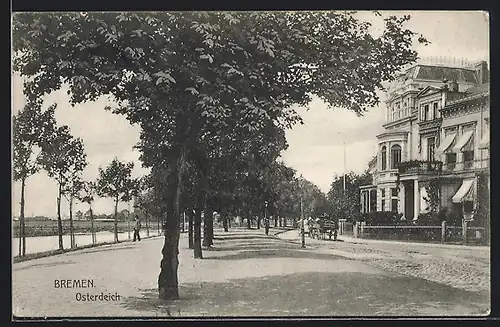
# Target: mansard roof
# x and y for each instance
(440, 73)
(485, 87)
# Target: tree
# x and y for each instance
(86, 195)
(347, 203)
(29, 129)
(79, 215)
(63, 157)
(115, 182)
(175, 74)
(74, 185)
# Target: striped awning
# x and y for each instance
(463, 141)
(465, 192)
(446, 143)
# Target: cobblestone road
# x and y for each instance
(462, 267)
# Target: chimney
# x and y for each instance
(482, 72)
(445, 85)
(453, 86)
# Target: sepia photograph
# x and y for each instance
(250, 164)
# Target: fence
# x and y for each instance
(464, 234)
(42, 236)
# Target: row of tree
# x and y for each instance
(39, 143)
(213, 93)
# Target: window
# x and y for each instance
(394, 205)
(431, 148)
(394, 191)
(451, 160)
(426, 112)
(395, 156)
(435, 110)
(384, 157)
(373, 200)
(382, 196)
(468, 158)
(468, 206)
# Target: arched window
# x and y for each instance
(395, 156)
(384, 157)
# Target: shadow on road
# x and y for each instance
(53, 264)
(280, 252)
(101, 249)
(234, 236)
(317, 294)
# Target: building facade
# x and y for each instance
(435, 141)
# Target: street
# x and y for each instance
(250, 274)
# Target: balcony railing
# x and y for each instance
(419, 166)
(467, 165)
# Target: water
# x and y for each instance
(48, 243)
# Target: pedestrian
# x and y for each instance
(137, 228)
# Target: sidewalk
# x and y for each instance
(246, 273)
(463, 267)
(351, 239)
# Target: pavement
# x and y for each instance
(247, 273)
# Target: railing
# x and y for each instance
(467, 165)
(42, 236)
(419, 166)
(434, 234)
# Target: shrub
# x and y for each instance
(453, 218)
(381, 218)
(431, 218)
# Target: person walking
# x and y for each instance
(137, 228)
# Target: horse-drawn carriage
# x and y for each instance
(323, 226)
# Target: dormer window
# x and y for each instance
(426, 112)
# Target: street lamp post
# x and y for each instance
(266, 221)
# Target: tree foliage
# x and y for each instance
(346, 203)
(205, 86)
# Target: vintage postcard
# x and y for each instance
(250, 164)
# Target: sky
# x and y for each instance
(316, 149)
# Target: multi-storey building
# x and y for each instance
(436, 128)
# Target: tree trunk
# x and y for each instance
(208, 227)
(258, 222)
(225, 222)
(147, 225)
(59, 220)
(197, 234)
(228, 221)
(116, 220)
(22, 223)
(71, 229)
(284, 221)
(190, 230)
(276, 221)
(249, 223)
(168, 286)
(92, 229)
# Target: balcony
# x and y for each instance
(478, 164)
(419, 167)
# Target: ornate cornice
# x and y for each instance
(429, 126)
